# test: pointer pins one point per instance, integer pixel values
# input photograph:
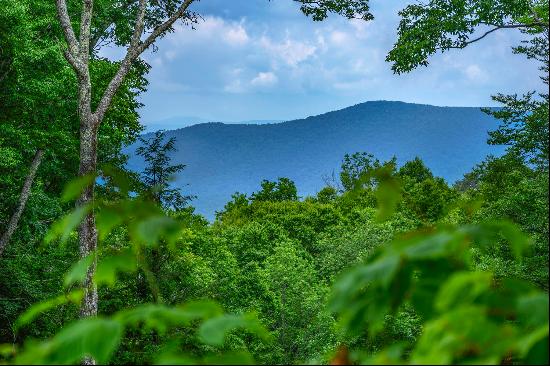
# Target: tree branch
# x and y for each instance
(135, 49)
(85, 25)
(25, 193)
(140, 24)
(99, 33)
(497, 27)
(164, 27)
(67, 27)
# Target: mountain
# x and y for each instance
(224, 158)
(185, 121)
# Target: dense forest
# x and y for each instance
(387, 264)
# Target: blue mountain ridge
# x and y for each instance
(224, 158)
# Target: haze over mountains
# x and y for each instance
(224, 158)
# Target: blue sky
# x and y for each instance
(260, 59)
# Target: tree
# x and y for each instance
(356, 167)
(39, 107)
(25, 193)
(441, 25)
(158, 171)
(124, 24)
(282, 190)
(415, 170)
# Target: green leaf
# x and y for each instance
(75, 187)
(388, 194)
(43, 306)
(7, 350)
(161, 317)
(62, 228)
(487, 234)
(77, 273)
(151, 230)
(229, 358)
(462, 288)
(119, 178)
(108, 267)
(170, 358)
(533, 309)
(214, 331)
(381, 271)
(108, 218)
(92, 337)
(428, 247)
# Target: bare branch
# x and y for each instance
(135, 49)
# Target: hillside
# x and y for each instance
(224, 158)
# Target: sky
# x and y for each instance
(264, 60)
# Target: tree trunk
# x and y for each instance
(87, 232)
(25, 193)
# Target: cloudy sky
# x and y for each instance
(260, 59)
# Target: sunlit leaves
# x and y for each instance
(93, 337)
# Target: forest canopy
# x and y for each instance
(386, 264)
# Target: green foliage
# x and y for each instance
(440, 25)
(355, 170)
(319, 10)
(158, 172)
(146, 226)
(466, 314)
(420, 272)
(282, 190)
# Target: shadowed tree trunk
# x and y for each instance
(25, 193)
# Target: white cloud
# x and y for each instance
(339, 37)
(290, 51)
(230, 56)
(211, 29)
(474, 73)
(235, 87)
(236, 35)
(264, 79)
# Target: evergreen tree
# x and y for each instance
(159, 172)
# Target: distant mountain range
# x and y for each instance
(224, 158)
(185, 121)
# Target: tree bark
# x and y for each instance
(87, 232)
(25, 193)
